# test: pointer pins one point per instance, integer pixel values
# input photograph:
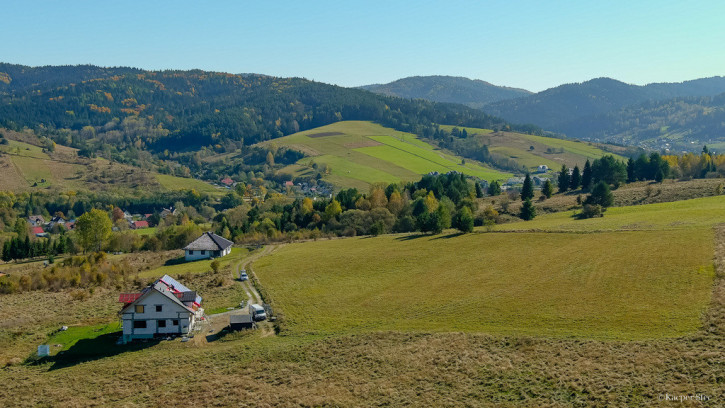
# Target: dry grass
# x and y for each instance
(383, 369)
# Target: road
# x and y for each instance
(221, 320)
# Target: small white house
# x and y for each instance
(207, 246)
(165, 308)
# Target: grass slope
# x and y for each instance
(360, 153)
(610, 285)
(518, 147)
(24, 167)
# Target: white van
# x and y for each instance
(257, 312)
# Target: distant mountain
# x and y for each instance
(120, 112)
(554, 107)
(470, 92)
(676, 124)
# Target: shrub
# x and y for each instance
(591, 211)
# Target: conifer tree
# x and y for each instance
(527, 192)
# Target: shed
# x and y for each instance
(241, 322)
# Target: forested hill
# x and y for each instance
(554, 107)
(678, 124)
(122, 108)
(470, 92)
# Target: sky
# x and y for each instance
(533, 45)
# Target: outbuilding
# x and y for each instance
(209, 245)
(241, 322)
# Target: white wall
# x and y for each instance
(197, 255)
(170, 311)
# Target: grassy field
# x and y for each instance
(628, 285)
(180, 183)
(700, 214)
(178, 267)
(145, 231)
(518, 146)
(360, 153)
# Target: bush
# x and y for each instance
(591, 211)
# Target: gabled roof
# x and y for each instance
(161, 288)
(141, 224)
(37, 230)
(177, 288)
(209, 241)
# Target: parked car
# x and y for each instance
(243, 275)
(257, 312)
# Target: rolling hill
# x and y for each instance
(531, 151)
(470, 92)
(359, 153)
(27, 167)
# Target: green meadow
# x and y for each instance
(360, 153)
(637, 273)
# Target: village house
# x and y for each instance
(164, 308)
(39, 232)
(36, 220)
(209, 245)
(138, 224)
(542, 168)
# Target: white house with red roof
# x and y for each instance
(163, 309)
(208, 245)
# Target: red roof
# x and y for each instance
(128, 297)
(227, 181)
(38, 230)
(141, 224)
(289, 183)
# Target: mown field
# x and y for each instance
(546, 150)
(360, 153)
(611, 285)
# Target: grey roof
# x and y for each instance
(161, 287)
(209, 241)
(240, 318)
(164, 290)
(189, 296)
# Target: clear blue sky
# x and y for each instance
(529, 44)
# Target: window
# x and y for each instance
(139, 309)
(158, 308)
(203, 252)
(175, 322)
(191, 252)
(139, 324)
(162, 323)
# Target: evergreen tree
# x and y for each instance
(479, 190)
(6, 252)
(465, 220)
(527, 192)
(587, 176)
(494, 188)
(601, 195)
(659, 176)
(528, 212)
(576, 178)
(27, 249)
(563, 179)
(631, 171)
(548, 189)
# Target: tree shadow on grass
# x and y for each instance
(412, 237)
(175, 261)
(449, 236)
(93, 349)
